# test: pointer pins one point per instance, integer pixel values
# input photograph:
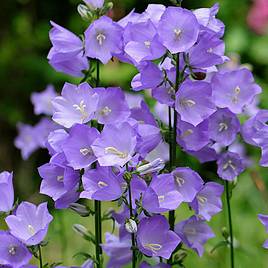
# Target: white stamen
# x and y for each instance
(81, 107)
(102, 184)
(189, 231)
(85, 151)
(31, 229)
(12, 249)
(229, 164)
(210, 50)
(177, 33)
(237, 91)
(179, 180)
(101, 38)
(147, 44)
(202, 199)
(161, 198)
(60, 178)
(114, 151)
(153, 247)
(105, 111)
(188, 103)
(187, 133)
(223, 127)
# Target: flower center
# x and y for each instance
(147, 44)
(161, 198)
(179, 180)
(202, 199)
(81, 107)
(105, 111)
(189, 231)
(237, 91)
(60, 178)
(102, 184)
(177, 33)
(187, 103)
(187, 133)
(31, 229)
(114, 151)
(12, 249)
(223, 127)
(153, 247)
(85, 151)
(230, 164)
(101, 38)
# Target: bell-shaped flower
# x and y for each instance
(30, 223)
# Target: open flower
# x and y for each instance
(30, 223)
(178, 35)
(116, 145)
(76, 105)
(13, 253)
(194, 232)
(154, 237)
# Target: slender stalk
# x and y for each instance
(97, 204)
(134, 258)
(230, 223)
(173, 142)
(40, 257)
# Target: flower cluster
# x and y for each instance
(106, 145)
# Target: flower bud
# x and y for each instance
(80, 209)
(81, 230)
(153, 166)
(84, 12)
(94, 4)
(131, 226)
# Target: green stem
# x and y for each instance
(40, 257)
(97, 204)
(230, 223)
(134, 258)
(173, 143)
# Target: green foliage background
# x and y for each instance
(24, 45)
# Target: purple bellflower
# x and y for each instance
(76, 105)
(42, 101)
(154, 237)
(234, 90)
(116, 145)
(60, 182)
(101, 184)
(6, 191)
(67, 54)
(194, 232)
(161, 195)
(264, 220)
(230, 165)
(187, 182)
(207, 19)
(142, 42)
(30, 223)
(178, 35)
(208, 200)
(192, 138)
(112, 107)
(94, 4)
(194, 102)
(13, 253)
(223, 127)
(77, 147)
(103, 39)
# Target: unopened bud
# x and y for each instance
(80, 209)
(153, 166)
(84, 12)
(131, 226)
(225, 233)
(81, 230)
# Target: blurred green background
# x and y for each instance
(24, 45)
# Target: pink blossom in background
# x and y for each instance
(258, 16)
